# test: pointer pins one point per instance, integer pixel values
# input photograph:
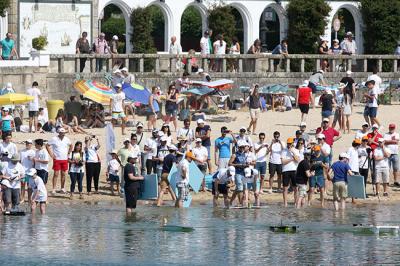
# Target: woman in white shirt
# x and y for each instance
(219, 49)
(76, 169)
(92, 163)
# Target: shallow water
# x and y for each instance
(101, 234)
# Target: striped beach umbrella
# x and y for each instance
(95, 91)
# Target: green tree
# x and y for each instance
(141, 22)
(114, 26)
(307, 22)
(4, 4)
(191, 29)
(222, 21)
(381, 20)
(157, 27)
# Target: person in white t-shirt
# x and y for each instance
(392, 143)
(113, 171)
(39, 191)
(377, 79)
(182, 179)
(219, 49)
(325, 148)
(219, 184)
(186, 131)
(261, 150)
(205, 44)
(200, 154)
(92, 163)
(371, 107)
(275, 162)
(290, 159)
(33, 106)
(117, 105)
(12, 174)
(59, 148)
(26, 155)
(8, 146)
(381, 155)
(352, 152)
(150, 151)
(362, 132)
(41, 160)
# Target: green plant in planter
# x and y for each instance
(39, 43)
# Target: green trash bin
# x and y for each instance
(53, 106)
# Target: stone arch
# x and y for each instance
(203, 11)
(358, 23)
(283, 21)
(168, 19)
(247, 24)
(126, 11)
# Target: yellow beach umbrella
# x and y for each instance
(95, 91)
(15, 98)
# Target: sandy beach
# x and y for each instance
(284, 122)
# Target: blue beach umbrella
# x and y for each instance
(136, 93)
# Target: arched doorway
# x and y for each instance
(346, 24)
(243, 20)
(239, 34)
(269, 29)
(158, 27)
(113, 23)
(193, 24)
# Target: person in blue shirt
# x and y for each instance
(319, 164)
(7, 47)
(222, 145)
(280, 49)
(340, 170)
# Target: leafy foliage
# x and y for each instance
(222, 21)
(39, 43)
(4, 4)
(191, 29)
(142, 28)
(114, 26)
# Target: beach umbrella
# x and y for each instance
(199, 91)
(95, 91)
(136, 93)
(15, 98)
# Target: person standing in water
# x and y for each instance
(132, 179)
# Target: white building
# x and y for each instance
(250, 10)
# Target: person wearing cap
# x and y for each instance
(381, 157)
(364, 160)
(250, 182)
(392, 143)
(41, 160)
(167, 164)
(205, 43)
(33, 106)
(92, 161)
(128, 78)
(76, 170)
(221, 179)
(335, 48)
(326, 149)
(255, 108)
(331, 134)
(7, 145)
(154, 108)
(27, 156)
(113, 171)
(82, 47)
(304, 134)
(141, 138)
(200, 154)
(162, 151)
(7, 122)
(124, 152)
(275, 161)
(362, 132)
(11, 175)
(132, 180)
(371, 107)
(303, 174)
(349, 46)
(183, 145)
(39, 191)
(239, 161)
(182, 179)
(117, 77)
(59, 148)
(114, 46)
(261, 150)
(222, 152)
(338, 173)
(6, 90)
(203, 132)
(303, 99)
(290, 159)
(100, 47)
(117, 107)
(352, 153)
(320, 165)
(186, 131)
(327, 102)
(316, 79)
(242, 136)
(150, 150)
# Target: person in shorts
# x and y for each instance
(319, 164)
(39, 191)
(392, 143)
(371, 107)
(261, 150)
(290, 159)
(41, 161)
(338, 175)
(203, 132)
(303, 99)
(275, 161)
(113, 171)
(250, 182)
(33, 106)
(220, 182)
(182, 179)
(381, 157)
(255, 108)
(167, 164)
(239, 161)
(222, 152)
(117, 105)
(303, 173)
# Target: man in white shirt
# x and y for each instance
(371, 107)
(33, 106)
(205, 44)
(117, 105)
(290, 159)
(275, 162)
(127, 77)
(59, 149)
(377, 79)
(349, 46)
(352, 152)
(11, 175)
(182, 179)
(325, 148)
(392, 143)
(175, 49)
(186, 131)
(261, 150)
(381, 155)
(27, 156)
(362, 132)
(8, 146)
(150, 151)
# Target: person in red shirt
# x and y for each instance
(373, 138)
(331, 134)
(303, 99)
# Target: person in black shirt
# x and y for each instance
(327, 101)
(132, 183)
(254, 106)
(303, 173)
(203, 132)
(167, 164)
(349, 92)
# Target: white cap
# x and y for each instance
(335, 40)
(344, 155)
(126, 140)
(117, 71)
(312, 140)
(242, 143)
(139, 124)
(349, 33)
(200, 121)
(328, 91)
(348, 72)
(119, 85)
(115, 37)
(381, 140)
(365, 124)
(61, 130)
(321, 71)
(232, 169)
(375, 126)
(243, 128)
(164, 138)
(31, 172)
(9, 85)
(200, 70)
(320, 136)
(160, 134)
(303, 124)
(172, 147)
(325, 119)
(198, 140)
(305, 83)
(29, 141)
(124, 69)
(248, 172)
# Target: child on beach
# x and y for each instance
(39, 191)
(41, 160)
(7, 122)
(113, 168)
(26, 156)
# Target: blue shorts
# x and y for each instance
(317, 181)
(250, 186)
(171, 112)
(370, 111)
(239, 182)
(113, 178)
(209, 152)
(394, 162)
(261, 167)
(326, 114)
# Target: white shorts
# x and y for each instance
(254, 113)
(382, 175)
(223, 163)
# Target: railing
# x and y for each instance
(259, 63)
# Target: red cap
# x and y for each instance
(392, 126)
